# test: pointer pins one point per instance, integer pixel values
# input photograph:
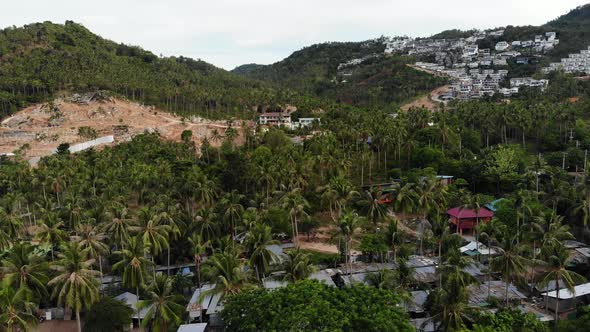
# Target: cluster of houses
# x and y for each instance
(574, 63)
(541, 43)
(475, 83)
(476, 72)
(283, 119)
(413, 46)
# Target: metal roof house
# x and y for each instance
(197, 327)
(131, 300)
(568, 300)
(210, 304)
(479, 293)
(462, 219)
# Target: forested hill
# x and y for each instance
(375, 81)
(574, 30)
(40, 59)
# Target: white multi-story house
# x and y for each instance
(502, 46)
(304, 122)
(275, 119)
(528, 81)
(574, 63)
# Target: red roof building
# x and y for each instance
(466, 219)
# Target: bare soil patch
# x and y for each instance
(44, 126)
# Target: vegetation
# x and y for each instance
(377, 82)
(311, 306)
(41, 59)
(365, 180)
(108, 315)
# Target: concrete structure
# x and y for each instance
(501, 46)
(275, 119)
(574, 63)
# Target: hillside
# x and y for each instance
(574, 29)
(354, 73)
(41, 128)
(40, 59)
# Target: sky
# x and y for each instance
(228, 33)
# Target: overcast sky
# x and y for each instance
(228, 33)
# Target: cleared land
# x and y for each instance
(428, 100)
(44, 126)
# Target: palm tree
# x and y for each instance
(338, 193)
(556, 270)
(257, 241)
(297, 266)
(152, 232)
(348, 225)
(509, 262)
(233, 208)
(393, 237)
(162, 304)
(296, 204)
(75, 284)
(371, 206)
(450, 304)
(474, 202)
(226, 270)
(406, 199)
(23, 268)
(50, 232)
(18, 311)
(133, 265)
(198, 249)
(206, 223)
(167, 218)
(90, 238)
(117, 225)
(11, 227)
(384, 279)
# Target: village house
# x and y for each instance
(196, 327)
(567, 300)
(462, 219)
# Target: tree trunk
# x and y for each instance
(440, 262)
(101, 274)
(168, 267)
(557, 302)
(506, 292)
(78, 322)
(296, 229)
(137, 307)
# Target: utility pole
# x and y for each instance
(563, 162)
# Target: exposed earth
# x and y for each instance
(428, 101)
(44, 126)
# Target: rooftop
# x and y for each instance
(462, 213)
(565, 294)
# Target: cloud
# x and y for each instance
(231, 32)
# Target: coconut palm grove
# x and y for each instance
(326, 194)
